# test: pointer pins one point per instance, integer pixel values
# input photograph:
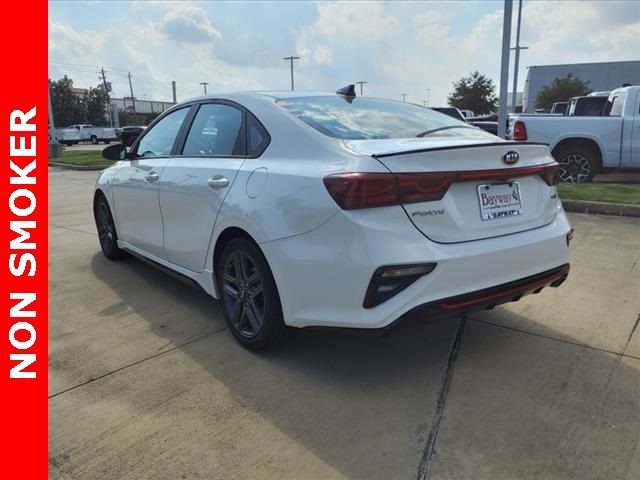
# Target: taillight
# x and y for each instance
(367, 190)
(519, 131)
(363, 190)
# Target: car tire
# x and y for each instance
(578, 164)
(107, 234)
(94, 139)
(249, 296)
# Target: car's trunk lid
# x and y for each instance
(504, 202)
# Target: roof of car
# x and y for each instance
(270, 94)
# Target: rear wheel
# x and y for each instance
(249, 296)
(578, 164)
(107, 230)
(94, 139)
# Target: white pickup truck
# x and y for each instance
(584, 146)
(95, 135)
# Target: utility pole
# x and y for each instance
(204, 84)
(516, 65)
(106, 91)
(361, 83)
(133, 100)
(173, 89)
(428, 97)
(404, 97)
(504, 68)
(291, 59)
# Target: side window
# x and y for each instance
(257, 136)
(613, 107)
(158, 141)
(215, 131)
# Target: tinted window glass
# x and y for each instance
(158, 141)
(366, 118)
(258, 138)
(215, 131)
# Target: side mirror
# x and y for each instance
(115, 152)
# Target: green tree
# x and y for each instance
(561, 90)
(68, 108)
(475, 92)
(97, 107)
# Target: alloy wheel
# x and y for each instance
(574, 168)
(243, 294)
(105, 226)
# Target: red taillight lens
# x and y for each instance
(367, 190)
(363, 190)
(550, 174)
(519, 131)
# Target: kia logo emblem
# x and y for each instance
(510, 157)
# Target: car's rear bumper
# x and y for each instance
(323, 275)
(489, 298)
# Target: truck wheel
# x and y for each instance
(107, 142)
(94, 139)
(578, 164)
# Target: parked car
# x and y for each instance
(303, 209)
(483, 123)
(559, 107)
(467, 113)
(95, 135)
(451, 111)
(127, 135)
(590, 106)
(584, 146)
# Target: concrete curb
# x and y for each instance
(602, 208)
(88, 168)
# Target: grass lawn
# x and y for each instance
(82, 157)
(601, 192)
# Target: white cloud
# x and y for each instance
(189, 24)
(322, 54)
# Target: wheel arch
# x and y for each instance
(586, 142)
(223, 239)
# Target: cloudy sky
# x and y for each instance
(398, 47)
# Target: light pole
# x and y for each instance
(504, 68)
(517, 48)
(204, 84)
(404, 97)
(291, 59)
(361, 83)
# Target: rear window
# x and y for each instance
(367, 118)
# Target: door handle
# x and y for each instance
(218, 181)
(152, 177)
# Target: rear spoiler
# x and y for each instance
(454, 147)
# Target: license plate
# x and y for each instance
(499, 200)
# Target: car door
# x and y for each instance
(135, 186)
(195, 183)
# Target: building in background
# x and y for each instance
(601, 77)
(518, 102)
(146, 107)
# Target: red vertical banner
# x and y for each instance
(23, 216)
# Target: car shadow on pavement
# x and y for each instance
(520, 405)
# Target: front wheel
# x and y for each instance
(249, 296)
(577, 164)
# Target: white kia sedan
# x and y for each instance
(299, 209)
